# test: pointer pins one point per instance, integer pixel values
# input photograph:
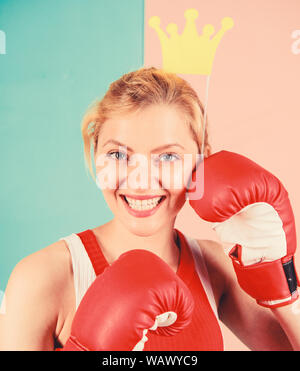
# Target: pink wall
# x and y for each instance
(254, 94)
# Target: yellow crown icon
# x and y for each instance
(189, 53)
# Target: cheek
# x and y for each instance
(174, 176)
(173, 181)
(109, 197)
(107, 173)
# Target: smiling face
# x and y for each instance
(148, 149)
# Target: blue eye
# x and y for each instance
(117, 155)
(169, 157)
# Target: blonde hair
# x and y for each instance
(139, 89)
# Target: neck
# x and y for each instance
(115, 240)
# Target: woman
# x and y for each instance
(159, 116)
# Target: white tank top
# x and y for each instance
(84, 274)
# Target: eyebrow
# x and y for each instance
(113, 141)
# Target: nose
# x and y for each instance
(142, 174)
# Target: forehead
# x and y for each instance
(149, 128)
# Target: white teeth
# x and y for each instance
(143, 204)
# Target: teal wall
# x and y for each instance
(60, 56)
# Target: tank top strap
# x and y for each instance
(190, 246)
(202, 272)
(93, 250)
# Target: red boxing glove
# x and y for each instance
(250, 208)
(137, 293)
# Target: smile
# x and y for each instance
(142, 205)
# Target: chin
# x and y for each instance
(143, 229)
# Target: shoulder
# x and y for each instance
(43, 269)
(38, 285)
(213, 252)
(218, 265)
